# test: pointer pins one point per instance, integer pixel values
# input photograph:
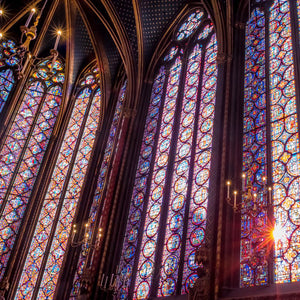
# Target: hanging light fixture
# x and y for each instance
(253, 200)
(21, 54)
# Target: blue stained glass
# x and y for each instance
(150, 189)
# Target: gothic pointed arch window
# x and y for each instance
(50, 238)
(269, 249)
(99, 196)
(23, 148)
(7, 64)
(167, 216)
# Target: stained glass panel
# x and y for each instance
(21, 185)
(6, 84)
(284, 133)
(173, 236)
(82, 115)
(104, 170)
(254, 266)
(190, 25)
(284, 144)
(200, 181)
(159, 224)
(18, 134)
(149, 241)
(138, 198)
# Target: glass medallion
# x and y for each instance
(190, 281)
(173, 91)
(154, 211)
(146, 269)
(192, 79)
(182, 167)
(191, 93)
(132, 235)
(144, 168)
(157, 193)
(143, 290)
(160, 176)
(205, 141)
(152, 229)
(178, 203)
(154, 112)
(204, 158)
(180, 185)
(167, 131)
(163, 159)
(135, 217)
(294, 189)
(141, 183)
(138, 199)
(147, 152)
(197, 237)
(169, 116)
(129, 253)
(188, 120)
(176, 222)
(173, 242)
(199, 216)
(170, 265)
(152, 125)
(149, 139)
(208, 110)
(165, 145)
(200, 195)
(189, 106)
(168, 287)
(294, 213)
(149, 248)
(194, 66)
(184, 150)
(171, 104)
(207, 125)
(186, 135)
(202, 176)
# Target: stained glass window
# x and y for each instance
(167, 216)
(23, 150)
(7, 64)
(271, 143)
(98, 197)
(63, 193)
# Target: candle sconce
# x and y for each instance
(108, 283)
(20, 56)
(87, 237)
(254, 199)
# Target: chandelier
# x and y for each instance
(252, 198)
(21, 55)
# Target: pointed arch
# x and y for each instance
(166, 221)
(24, 147)
(51, 235)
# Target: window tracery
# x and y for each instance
(46, 252)
(167, 217)
(23, 150)
(271, 143)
